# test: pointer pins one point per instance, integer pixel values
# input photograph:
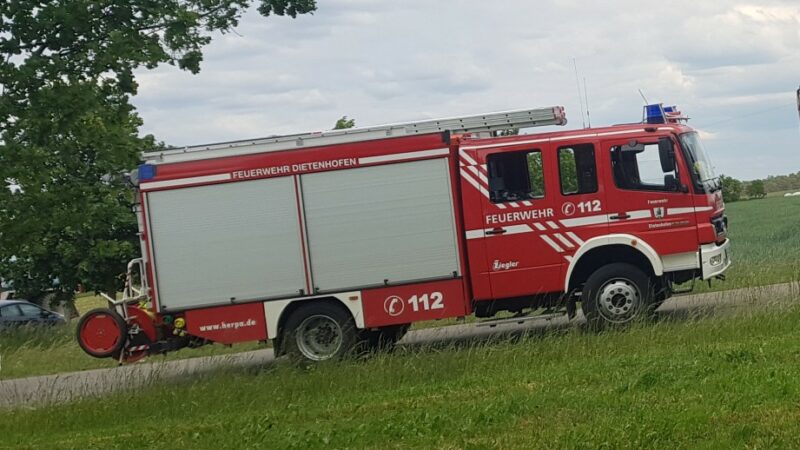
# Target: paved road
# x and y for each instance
(36, 391)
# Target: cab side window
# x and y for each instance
(577, 169)
(640, 168)
(515, 176)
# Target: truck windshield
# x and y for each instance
(702, 169)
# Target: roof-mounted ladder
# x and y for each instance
(525, 118)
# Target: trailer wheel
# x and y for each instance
(616, 294)
(101, 333)
(318, 332)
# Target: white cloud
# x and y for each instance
(382, 62)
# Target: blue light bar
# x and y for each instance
(147, 172)
(654, 113)
(658, 113)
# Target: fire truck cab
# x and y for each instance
(329, 242)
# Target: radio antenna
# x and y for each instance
(643, 97)
(580, 97)
(586, 95)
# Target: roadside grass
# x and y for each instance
(40, 351)
(721, 380)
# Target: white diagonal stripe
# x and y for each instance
(539, 226)
(551, 243)
(527, 203)
(575, 237)
(467, 158)
(474, 183)
(564, 240)
(479, 174)
(552, 224)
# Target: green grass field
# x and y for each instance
(766, 245)
(765, 238)
(727, 380)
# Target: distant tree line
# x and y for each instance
(781, 183)
(734, 190)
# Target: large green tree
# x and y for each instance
(731, 188)
(755, 189)
(68, 130)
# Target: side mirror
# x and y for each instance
(666, 153)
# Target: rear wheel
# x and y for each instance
(101, 333)
(616, 294)
(318, 332)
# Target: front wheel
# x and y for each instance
(616, 294)
(318, 332)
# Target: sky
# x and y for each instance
(732, 66)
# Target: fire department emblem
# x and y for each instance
(658, 212)
(568, 209)
(394, 305)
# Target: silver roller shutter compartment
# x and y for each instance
(393, 222)
(236, 240)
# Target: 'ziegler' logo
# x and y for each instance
(504, 265)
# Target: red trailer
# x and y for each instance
(322, 241)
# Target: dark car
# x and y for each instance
(20, 312)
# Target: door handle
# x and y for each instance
(496, 231)
(620, 216)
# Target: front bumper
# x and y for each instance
(715, 259)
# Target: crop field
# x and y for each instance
(766, 245)
(765, 237)
(696, 380)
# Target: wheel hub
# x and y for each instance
(618, 300)
(319, 337)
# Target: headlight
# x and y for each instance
(715, 260)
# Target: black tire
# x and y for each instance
(615, 295)
(317, 332)
(84, 330)
(385, 338)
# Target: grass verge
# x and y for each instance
(40, 351)
(703, 382)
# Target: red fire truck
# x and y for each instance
(324, 241)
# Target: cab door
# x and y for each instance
(647, 194)
(518, 212)
(582, 210)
